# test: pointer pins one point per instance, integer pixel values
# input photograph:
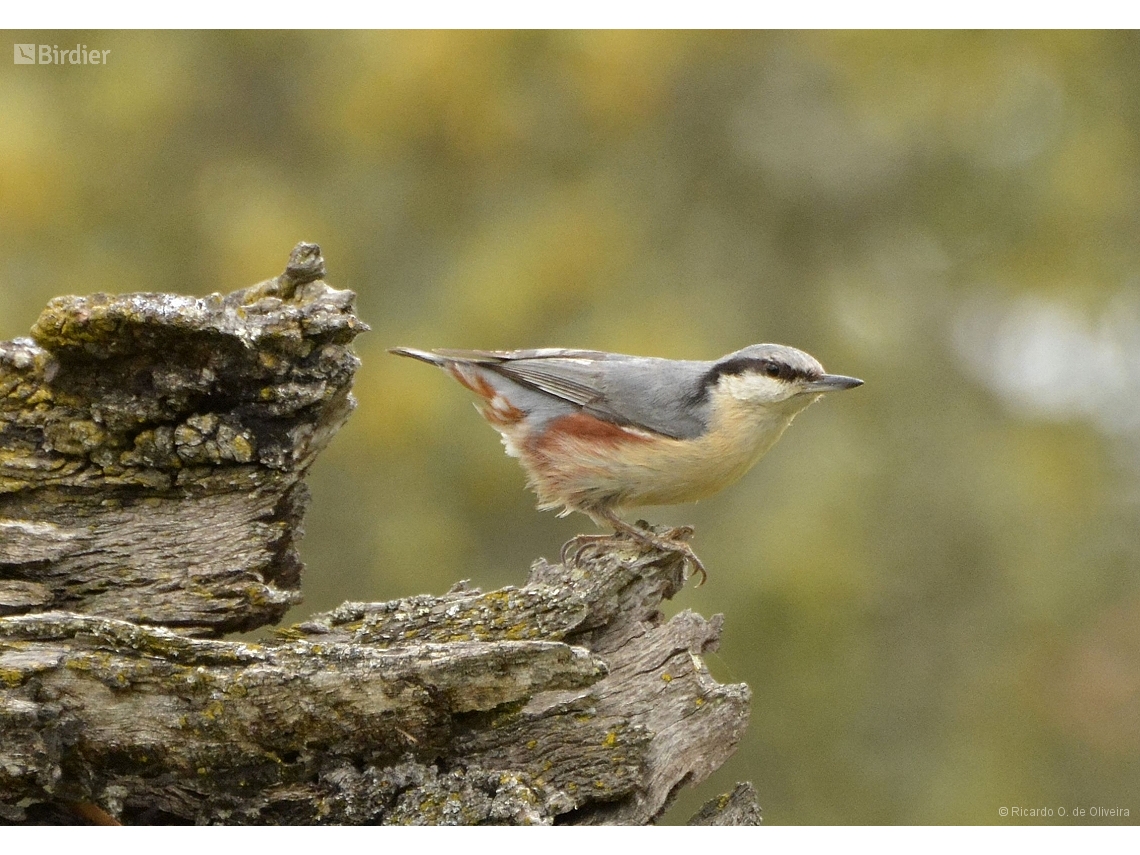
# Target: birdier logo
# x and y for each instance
(25, 54)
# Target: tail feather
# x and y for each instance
(422, 355)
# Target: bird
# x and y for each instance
(599, 433)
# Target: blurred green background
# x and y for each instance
(931, 583)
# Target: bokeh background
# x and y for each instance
(931, 583)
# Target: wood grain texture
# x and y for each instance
(568, 699)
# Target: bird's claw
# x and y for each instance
(575, 550)
(697, 565)
(681, 532)
(674, 542)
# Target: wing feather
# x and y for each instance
(576, 384)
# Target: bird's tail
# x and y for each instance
(422, 355)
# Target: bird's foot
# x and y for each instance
(681, 532)
(673, 541)
(686, 552)
(574, 550)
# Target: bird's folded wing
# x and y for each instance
(571, 375)
(571, 382)
(608, 386)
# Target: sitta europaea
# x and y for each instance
(600, 432)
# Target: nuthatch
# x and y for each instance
(599, 432)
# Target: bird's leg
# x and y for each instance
(673, 544)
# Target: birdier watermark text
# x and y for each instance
(33, 54)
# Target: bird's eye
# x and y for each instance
(772, 369)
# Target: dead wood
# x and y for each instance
(152, 456)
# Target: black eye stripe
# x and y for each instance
(774, 368)
(768, 367)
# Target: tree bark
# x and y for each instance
(152, 456)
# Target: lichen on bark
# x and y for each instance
(153, 449)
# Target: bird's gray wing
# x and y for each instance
(570, 375)
(658, 395)
(576, 382)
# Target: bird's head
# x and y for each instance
(775, 376)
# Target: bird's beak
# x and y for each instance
(832, 382)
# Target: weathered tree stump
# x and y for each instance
(152, 456)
